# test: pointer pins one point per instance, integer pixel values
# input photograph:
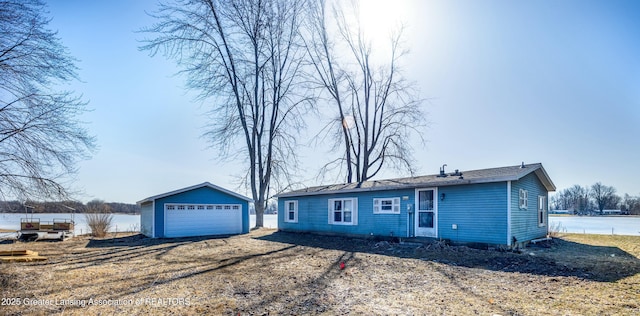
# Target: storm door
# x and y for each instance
(426, 213)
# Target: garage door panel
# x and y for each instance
(182, 221)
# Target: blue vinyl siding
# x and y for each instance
(478, 210)
(203, 195)
(524, 223)
(313, 214)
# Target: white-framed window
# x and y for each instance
(291, 211)
(343, 211)
(524, 199)
(171, 207)
(181, 207)
(201, 207)
(386, 205)
(542, 211)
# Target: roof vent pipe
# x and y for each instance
(457, 173)
(522, 165)
(442, 174)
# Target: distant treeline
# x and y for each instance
(95, 206)
(594, 199)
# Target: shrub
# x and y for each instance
(555, 230)
(133, 228)
(99, 223)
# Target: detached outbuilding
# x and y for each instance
(200, 210)
(502, 206)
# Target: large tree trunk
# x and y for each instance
(259, 207)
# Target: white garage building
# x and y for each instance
(199, 210)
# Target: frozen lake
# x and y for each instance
(602, 225)
(270, 220)
(121, 222)
(618, 225)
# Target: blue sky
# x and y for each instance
(556, 82)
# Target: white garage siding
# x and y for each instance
(146, 219)
(183, 220)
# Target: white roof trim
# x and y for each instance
(545, 179)
(193, 187)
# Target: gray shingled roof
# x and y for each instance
(193, 187)
(500, 174)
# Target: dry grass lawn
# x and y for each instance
(274, 273)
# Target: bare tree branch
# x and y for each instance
(378, 109)
(41, 138)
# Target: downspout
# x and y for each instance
(509, 213)
(412, 219)
(408, 220)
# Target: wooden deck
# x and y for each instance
(20, 256)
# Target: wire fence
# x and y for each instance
(622, 225)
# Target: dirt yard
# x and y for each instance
(274, 273)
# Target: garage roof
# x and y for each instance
(193, 187)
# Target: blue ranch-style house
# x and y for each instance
(500, 206)
(199, 210)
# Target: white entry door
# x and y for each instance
(427, 212)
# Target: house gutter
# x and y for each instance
(509, 213)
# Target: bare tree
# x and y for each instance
(378, 110)
(245, 58)
(575, 198)
(631, 204)
(561, 200)
(604, 196)
(98, 206)
(41, 138)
